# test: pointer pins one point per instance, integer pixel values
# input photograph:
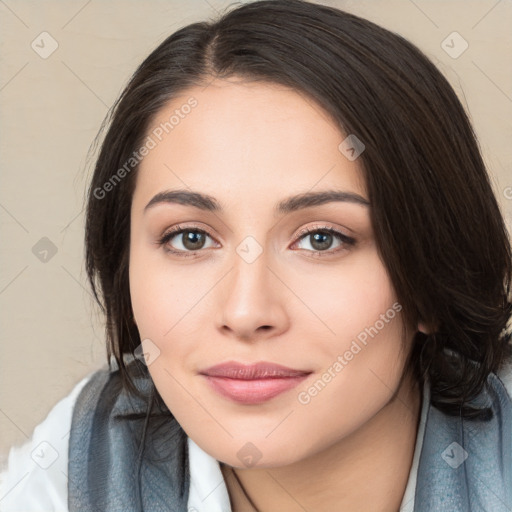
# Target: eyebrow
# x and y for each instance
(291, 204)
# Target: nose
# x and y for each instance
(252, 305)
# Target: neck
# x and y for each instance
(371, 465)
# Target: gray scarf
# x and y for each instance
(465, 465)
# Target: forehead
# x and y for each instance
(243, 139)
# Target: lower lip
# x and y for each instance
(253, 391)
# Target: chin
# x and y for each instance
(256, 455)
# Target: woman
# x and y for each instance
(306, 282)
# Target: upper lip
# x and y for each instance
(260, 370)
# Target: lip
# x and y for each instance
(253, 383)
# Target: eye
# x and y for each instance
(322, 239)
(186, 240)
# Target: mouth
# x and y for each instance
(254, 383)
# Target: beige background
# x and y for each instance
(51, 109)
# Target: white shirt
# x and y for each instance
(35, 477)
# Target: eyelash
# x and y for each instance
(346, 240)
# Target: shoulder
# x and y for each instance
(34, 476)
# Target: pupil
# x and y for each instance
(321, 241)
(193, 240)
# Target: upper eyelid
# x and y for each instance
(176, 230)
(313, 229)
(179, 228)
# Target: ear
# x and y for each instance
(422, 328)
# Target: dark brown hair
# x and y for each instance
(437, 224)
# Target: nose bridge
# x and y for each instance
(250, 272)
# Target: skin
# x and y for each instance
(251, 145)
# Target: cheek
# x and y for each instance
(176, 309)
(161, 294)
(343, 300)
(363, 344)
(347, 299)
(161, 303)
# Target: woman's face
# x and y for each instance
(245, 281)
